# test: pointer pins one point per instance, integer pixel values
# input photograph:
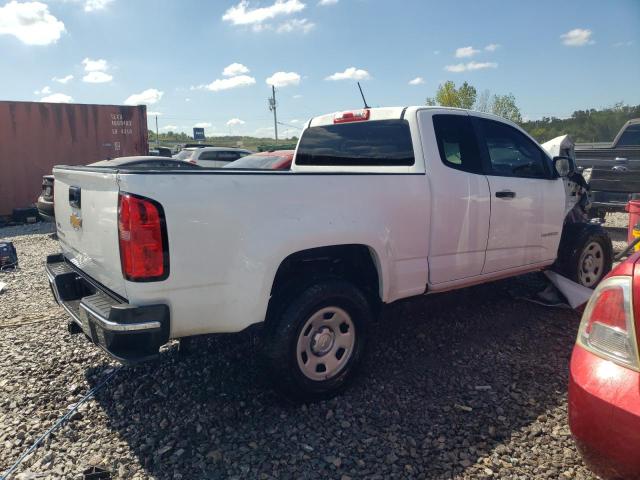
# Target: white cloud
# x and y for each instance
(154, 114)
(93, 5)
(578, 37)
(170, 128)
(351, 73)
(227, 83)
(234, 69)
(57, 98)
(203, 125)
(416, 81)
(623, 44)
(30, 22)
(187, 99)
(241, 14)
(297, 96)
(96, 71)
(492, 47)
(43, 91)
(63, 80)
(303, 25)
(295, 120)
(436, 52)
(463, 67)
(147, 97)
(464, 52)
(99, 65)
(327, 2)
(235, 122)
(283, 79)
(97, 77)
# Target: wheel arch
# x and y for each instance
(358, 263)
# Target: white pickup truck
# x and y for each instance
(380, 204)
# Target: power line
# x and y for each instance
(290, 126)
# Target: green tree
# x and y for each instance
(584, 125)
(505, 106)
(467, 95)
(448, 95)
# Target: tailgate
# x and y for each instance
(86, 212)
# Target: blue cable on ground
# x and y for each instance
(58, 424)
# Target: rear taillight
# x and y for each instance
(144, 251)
(352, 116)
(607, 326)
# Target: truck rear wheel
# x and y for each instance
(585, 254)
(315, 341)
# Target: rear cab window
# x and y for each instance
(372, 143)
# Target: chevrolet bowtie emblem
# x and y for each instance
(75, 221)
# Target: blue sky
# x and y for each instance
(207, 63)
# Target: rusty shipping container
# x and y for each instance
(35, 136)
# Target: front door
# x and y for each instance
(527, 200)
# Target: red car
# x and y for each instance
(275, 160)
(604, 383)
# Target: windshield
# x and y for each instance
(255, 161)
(184, 155)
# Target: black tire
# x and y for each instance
(284, 331)
(579, 240)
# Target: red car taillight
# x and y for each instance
(144, 252)
(607, 327)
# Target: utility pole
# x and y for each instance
(272, 107)
(157, 136)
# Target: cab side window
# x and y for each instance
(457, 142)
(228, 156)
(511, 153)
(208, 155)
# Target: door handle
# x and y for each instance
(505, 194)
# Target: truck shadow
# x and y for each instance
(448, 378)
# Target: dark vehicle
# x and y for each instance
(45, 200)
(161, 152)
(149, 162)
(624, 150)
(612, 170)
(612, 188)
(276, 160)
(35, 136)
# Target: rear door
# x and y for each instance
(460, 205)
(527, 201)
(86, 211)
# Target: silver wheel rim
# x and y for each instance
(325, 343)
(591, 264)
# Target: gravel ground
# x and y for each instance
(468, 384)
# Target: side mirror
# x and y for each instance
(563, 166)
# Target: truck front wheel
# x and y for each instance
(316, 339)
(585, 254)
